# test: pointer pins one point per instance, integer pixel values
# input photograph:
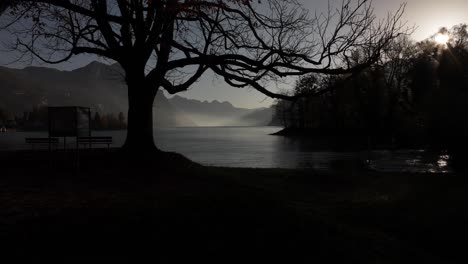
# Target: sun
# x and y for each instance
(442, 38)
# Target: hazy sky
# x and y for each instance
(427, 15)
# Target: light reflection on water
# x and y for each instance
(411, 161)
(253, 147)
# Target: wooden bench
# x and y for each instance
(94, 141)
(49, 141)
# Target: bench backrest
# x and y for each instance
(104, 140)
(41, 140)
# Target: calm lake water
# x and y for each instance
(254, 147)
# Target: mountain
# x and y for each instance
(98, 86)
(217, 113)
(166, 115)
(102, 88)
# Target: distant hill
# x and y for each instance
(166, 115)
(96, 85)
(102, 88)
(217, 113)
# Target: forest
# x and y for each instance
(413, 97)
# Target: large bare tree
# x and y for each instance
(170, 44)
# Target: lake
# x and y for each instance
(254, 147)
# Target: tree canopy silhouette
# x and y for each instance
(170, 44)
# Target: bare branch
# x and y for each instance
(247, 43)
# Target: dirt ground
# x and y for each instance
(172, 210)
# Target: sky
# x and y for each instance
(427, 15)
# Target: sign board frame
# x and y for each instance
(69, 121)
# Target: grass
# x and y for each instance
(110, 210)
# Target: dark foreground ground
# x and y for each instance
(109, 210)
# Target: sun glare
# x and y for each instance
(442, 38)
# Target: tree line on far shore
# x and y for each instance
(37, 119)
(415, 94)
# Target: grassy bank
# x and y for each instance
(185, 212)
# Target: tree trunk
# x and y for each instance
(140, 115)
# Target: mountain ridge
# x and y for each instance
(102, 88)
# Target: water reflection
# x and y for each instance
(411, 161)
(253, 147)
(443, 163)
